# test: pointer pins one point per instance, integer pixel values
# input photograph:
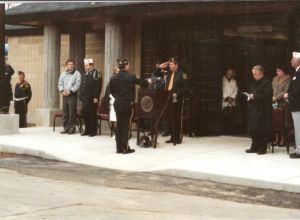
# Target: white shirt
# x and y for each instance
(230, 89)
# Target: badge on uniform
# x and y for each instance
(185, 76)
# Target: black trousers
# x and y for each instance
(89, 112)
(21, 110)
(122, 131)
(123, 109)
(176, 120)
(69, 112)
(259, 139)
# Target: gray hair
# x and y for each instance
(258, 68)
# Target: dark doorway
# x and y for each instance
(197, 45)
(242, 54)
(205, 54)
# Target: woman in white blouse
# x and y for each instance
(230, 91)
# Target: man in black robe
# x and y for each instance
(260, 111)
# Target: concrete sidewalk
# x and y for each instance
(220, 159)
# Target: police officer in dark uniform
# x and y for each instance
(22, 97)
(122, 88)
(176, 85)
(89, 96)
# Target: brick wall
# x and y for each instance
(26, 54)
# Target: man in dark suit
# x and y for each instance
(89, 97)
(122, 88)
(293, 97)
(176, 85)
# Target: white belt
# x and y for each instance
(20, 99)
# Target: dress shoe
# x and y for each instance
(178, 142)
(119, 151)
(169, 141)
(92, 134)
(64, 132)
(261, 152)
(294, 156)
(128, 151)
(251, 151)
(84, 133)
(71, 132)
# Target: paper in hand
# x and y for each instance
(247, 94)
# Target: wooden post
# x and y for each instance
(112, 49)
(77, 46)
(51, 53)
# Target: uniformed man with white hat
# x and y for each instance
(89, 96)
(293, 97)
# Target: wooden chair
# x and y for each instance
(59, 114)
(103, 115)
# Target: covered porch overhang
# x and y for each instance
(122, 24)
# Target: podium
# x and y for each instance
(151, 106)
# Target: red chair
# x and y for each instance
(103, 115)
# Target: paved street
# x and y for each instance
(220, 159)
(32, 188)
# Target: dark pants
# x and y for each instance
(69, 112)
(176, 120)
(229, 115)
(89, 112)
(123, 108)
(259, 140)
(21, 110)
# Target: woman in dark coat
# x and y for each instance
(260, 111)
(281, 83)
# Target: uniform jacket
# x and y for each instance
(179, 82)
(22, 90)
(122, 88)
(294, 92)
(260, 109)
(90, 86)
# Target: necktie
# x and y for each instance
(170, 87)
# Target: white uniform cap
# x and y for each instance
(88, 61)
(296, 54)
